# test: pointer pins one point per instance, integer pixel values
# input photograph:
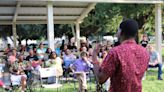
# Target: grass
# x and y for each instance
(151, 84)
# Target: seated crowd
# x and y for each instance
(23, 59)
(70, 59)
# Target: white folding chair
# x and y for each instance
(49, 72)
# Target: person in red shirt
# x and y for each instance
(125, 64)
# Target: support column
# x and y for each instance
(14, 34)
(73, 30)
(50, 25)
(78, 34)
(74, 33)
(158, 30)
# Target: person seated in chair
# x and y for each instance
(68, 59)
(18, 77)
(154, 61)
(80, 67)
(54, 62)
(34, 61)
(31, 56)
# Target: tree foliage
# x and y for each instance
(107, 17)
(32, 32)
(104, 19)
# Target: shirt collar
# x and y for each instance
(131, 41)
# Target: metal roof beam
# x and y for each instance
(86, 11)
(16, 11)
(36, 22)
(114, 1)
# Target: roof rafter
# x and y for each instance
(86, 11)
(16, 11)
(37, 22)
(114, 1)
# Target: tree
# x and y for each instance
(32, 32)
(107, 17)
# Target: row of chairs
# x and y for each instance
(35, 79)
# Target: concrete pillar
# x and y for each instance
(158, 30)
(73, 30)
(74, 33)
(78, 35)
(50, 25)
(14, 34)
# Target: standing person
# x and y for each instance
(154, 62)
(144, 41)
(124, 64)
(107, 83)
(62, 46)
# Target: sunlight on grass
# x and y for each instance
(151, 84)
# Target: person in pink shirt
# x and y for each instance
(126, 63)
(12, 58)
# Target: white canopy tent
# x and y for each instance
(64, 12)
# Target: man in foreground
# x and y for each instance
(124, 64)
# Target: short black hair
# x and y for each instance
(129, 28)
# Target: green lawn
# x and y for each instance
(151, 84)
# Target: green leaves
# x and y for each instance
(107, 17)
(33, 32)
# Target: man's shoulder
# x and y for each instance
(124, 47)
(28, 57)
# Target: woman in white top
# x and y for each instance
(55, 62)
